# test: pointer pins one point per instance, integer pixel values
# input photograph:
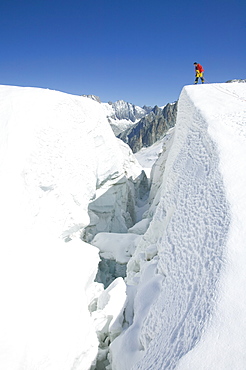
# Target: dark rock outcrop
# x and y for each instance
(150, 128)
(92, 97)
(236, 80)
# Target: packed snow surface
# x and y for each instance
(188, 272)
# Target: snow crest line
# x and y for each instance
(192, 221)
(191, 250)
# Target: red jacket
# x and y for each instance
(199, 68)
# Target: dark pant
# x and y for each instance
(199, 75)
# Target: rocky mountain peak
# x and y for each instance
(125, 110)
(150, 128)
(93, 97)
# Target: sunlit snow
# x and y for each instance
(64, 178)
(188, 269)
(57, 152)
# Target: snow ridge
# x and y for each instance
(191, 250)
(183, 254)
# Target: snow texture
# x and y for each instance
(57, 153)
(64, 175)
(119, 247)
(188, 270)
(113, 206)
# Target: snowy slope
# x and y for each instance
(188, 272)
(56, 152)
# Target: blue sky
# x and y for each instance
(138, 51)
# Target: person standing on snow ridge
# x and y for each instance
(199, 72)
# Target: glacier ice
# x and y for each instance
(191, 257)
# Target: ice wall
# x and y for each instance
(57, 153)
(113, 208)
(184, 267)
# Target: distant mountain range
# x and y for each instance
(124, 110)
(236, 80)
(150, 128)
(121, 114)
(138, 126)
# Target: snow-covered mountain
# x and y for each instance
(121, 114)
(236, 80)
(125, 110)
(71, 191)
(150, 128)
(136, 126)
